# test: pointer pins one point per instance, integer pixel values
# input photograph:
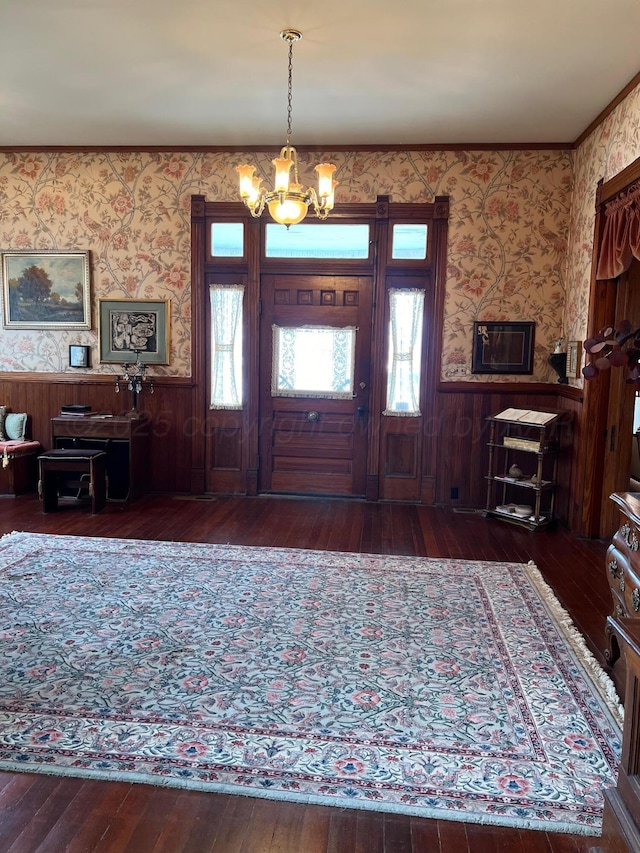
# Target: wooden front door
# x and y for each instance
(314, 404)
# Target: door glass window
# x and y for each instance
(317, 241)
(406, 308)
(226, 346)
(227, 240)
(409, 242)
(313, 361)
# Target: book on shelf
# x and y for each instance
(521, 443)
(526, 416)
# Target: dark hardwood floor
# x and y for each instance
(53, 814)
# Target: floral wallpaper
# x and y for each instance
(607, 151)
(509, 222)
(520, 231)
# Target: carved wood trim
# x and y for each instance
(603, 297)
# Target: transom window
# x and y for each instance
(227, 240)
(316, 240)
(409, 242)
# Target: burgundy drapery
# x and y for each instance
(621, 234)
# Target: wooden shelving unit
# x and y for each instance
(528, 440)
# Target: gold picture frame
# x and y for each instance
(574, 359)
(44, 289)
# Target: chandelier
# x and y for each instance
(289, 201)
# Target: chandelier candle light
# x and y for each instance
(134, 376)
(289, 201)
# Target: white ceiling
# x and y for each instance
(367, 72)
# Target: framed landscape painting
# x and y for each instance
(45, 290)
(132, 327)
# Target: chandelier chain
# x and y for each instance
(291, 37)
(289, 91)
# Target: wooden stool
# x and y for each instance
(88, 463)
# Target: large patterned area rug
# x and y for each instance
(441, 688)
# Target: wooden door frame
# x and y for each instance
(598, 415)
(381, 215)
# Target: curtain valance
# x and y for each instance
(621, 234)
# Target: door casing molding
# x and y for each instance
(225, 449)
(600, 419)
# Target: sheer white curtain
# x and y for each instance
(313, 361)
(405, 346)
(226, 346)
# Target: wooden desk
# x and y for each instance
(125, 441)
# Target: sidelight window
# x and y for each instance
(226, 346)
(313, 361)
(406, 308)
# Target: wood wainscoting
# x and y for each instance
(173, 430)
(457, 431)
(462, 430)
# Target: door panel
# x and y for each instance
(322, 451)
(315, 444)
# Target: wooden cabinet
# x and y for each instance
(523, 452)
(623, 567)
(125, 441)
(623, 557)
(621, 819)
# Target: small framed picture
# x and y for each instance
(79, 355)
(574, 359)
(503, 347)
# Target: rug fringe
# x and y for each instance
(7, 535)
(574, 637)
(434, 813)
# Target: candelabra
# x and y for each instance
(135, 376)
